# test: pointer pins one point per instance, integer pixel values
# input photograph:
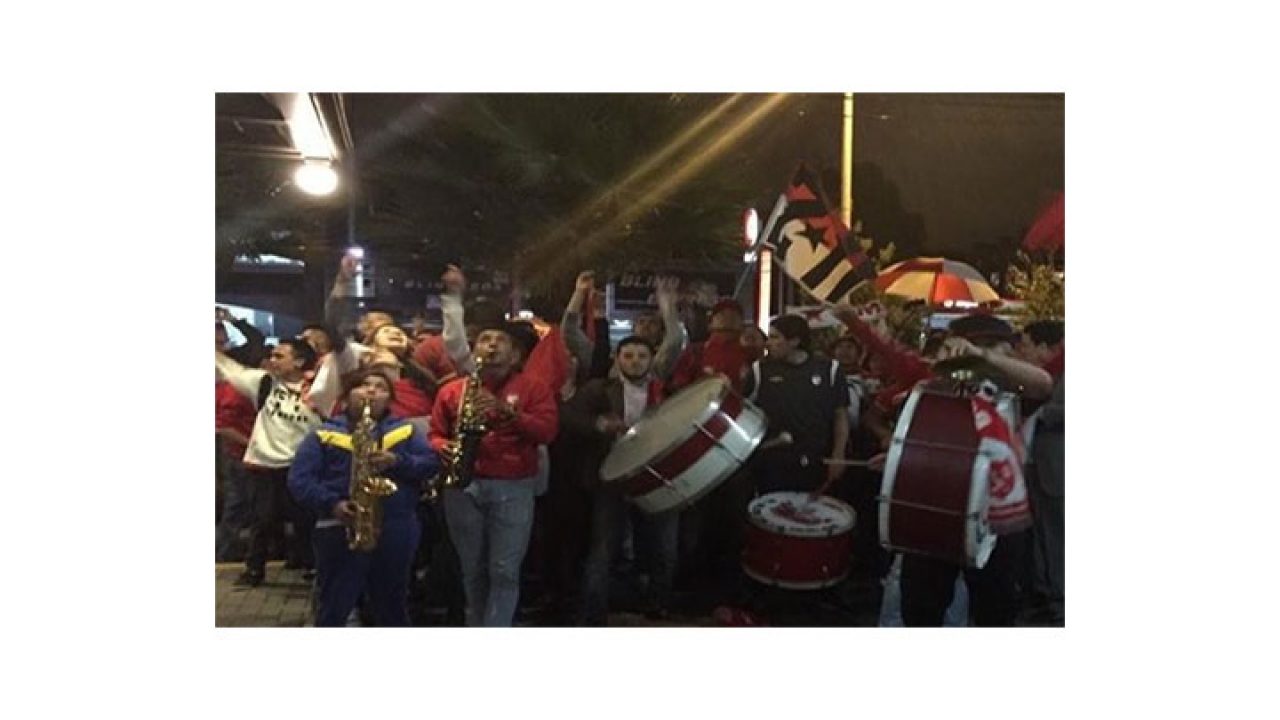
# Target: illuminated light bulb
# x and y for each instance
(316, 178)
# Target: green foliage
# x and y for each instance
(1040, 286)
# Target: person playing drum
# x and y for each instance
(616, 405)
(804, 397)
(927, 582)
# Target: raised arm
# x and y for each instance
(340, 311)
(902, 365)
(1036, 383)
(571, 324)
(253, 350)
(674, 336)
(454, 333)
(245, 380)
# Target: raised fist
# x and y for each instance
(454, 281)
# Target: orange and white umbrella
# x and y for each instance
(936, 280)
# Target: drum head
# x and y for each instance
(663, 429)
(794, 515)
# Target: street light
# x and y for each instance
(316, 177)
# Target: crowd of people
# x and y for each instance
(536, 518)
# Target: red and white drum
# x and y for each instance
(687, 446)
(798, 544)
(935, 493)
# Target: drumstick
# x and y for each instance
(822, 489)
(784, 438)
(847, 463)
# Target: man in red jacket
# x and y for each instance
(490, 520)
(722, 353)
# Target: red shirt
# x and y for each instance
(233, 411)
(722, 353)
(431, 355)
(410, 400)
(510, 449)
(549, 360)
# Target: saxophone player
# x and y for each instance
(321, 479)
(490, 515)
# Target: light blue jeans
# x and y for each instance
(490, 523)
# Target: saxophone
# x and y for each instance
(367, 488)
(458, 458)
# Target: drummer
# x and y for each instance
(616, 404)
(928, 583)
(806, 398)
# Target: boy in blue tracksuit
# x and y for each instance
(320, 479)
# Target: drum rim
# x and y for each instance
(764, 523)
(788, 585)
(711, 411)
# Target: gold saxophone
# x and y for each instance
(367, 487)
(458, 458)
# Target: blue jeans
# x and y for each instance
(657, 537)
(489, 523)
(237, 508)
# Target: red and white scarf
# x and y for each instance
(1010, 509)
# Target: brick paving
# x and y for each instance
(282, 600)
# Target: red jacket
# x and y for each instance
(719, 354)
(903, 368)
(510, 449)
(410, 400)
(431, 355)
(234, 411)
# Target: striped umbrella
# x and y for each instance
(935, 280)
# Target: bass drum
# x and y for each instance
(935, 493)
(686, 447)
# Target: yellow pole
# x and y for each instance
(846, 164)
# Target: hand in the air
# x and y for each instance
(667, 289)
(586, 281)
(454, 281)
(347, 268)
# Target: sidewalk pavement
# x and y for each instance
(282, 600)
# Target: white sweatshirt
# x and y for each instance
(283, 420)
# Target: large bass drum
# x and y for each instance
(935, 494)
(686, 447)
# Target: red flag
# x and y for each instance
(1049, 231)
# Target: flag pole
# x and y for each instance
(846, 164)
(778, 207)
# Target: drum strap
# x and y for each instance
(755, 381)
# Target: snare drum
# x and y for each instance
(798, 544)
(686, 447)
(935, 494)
